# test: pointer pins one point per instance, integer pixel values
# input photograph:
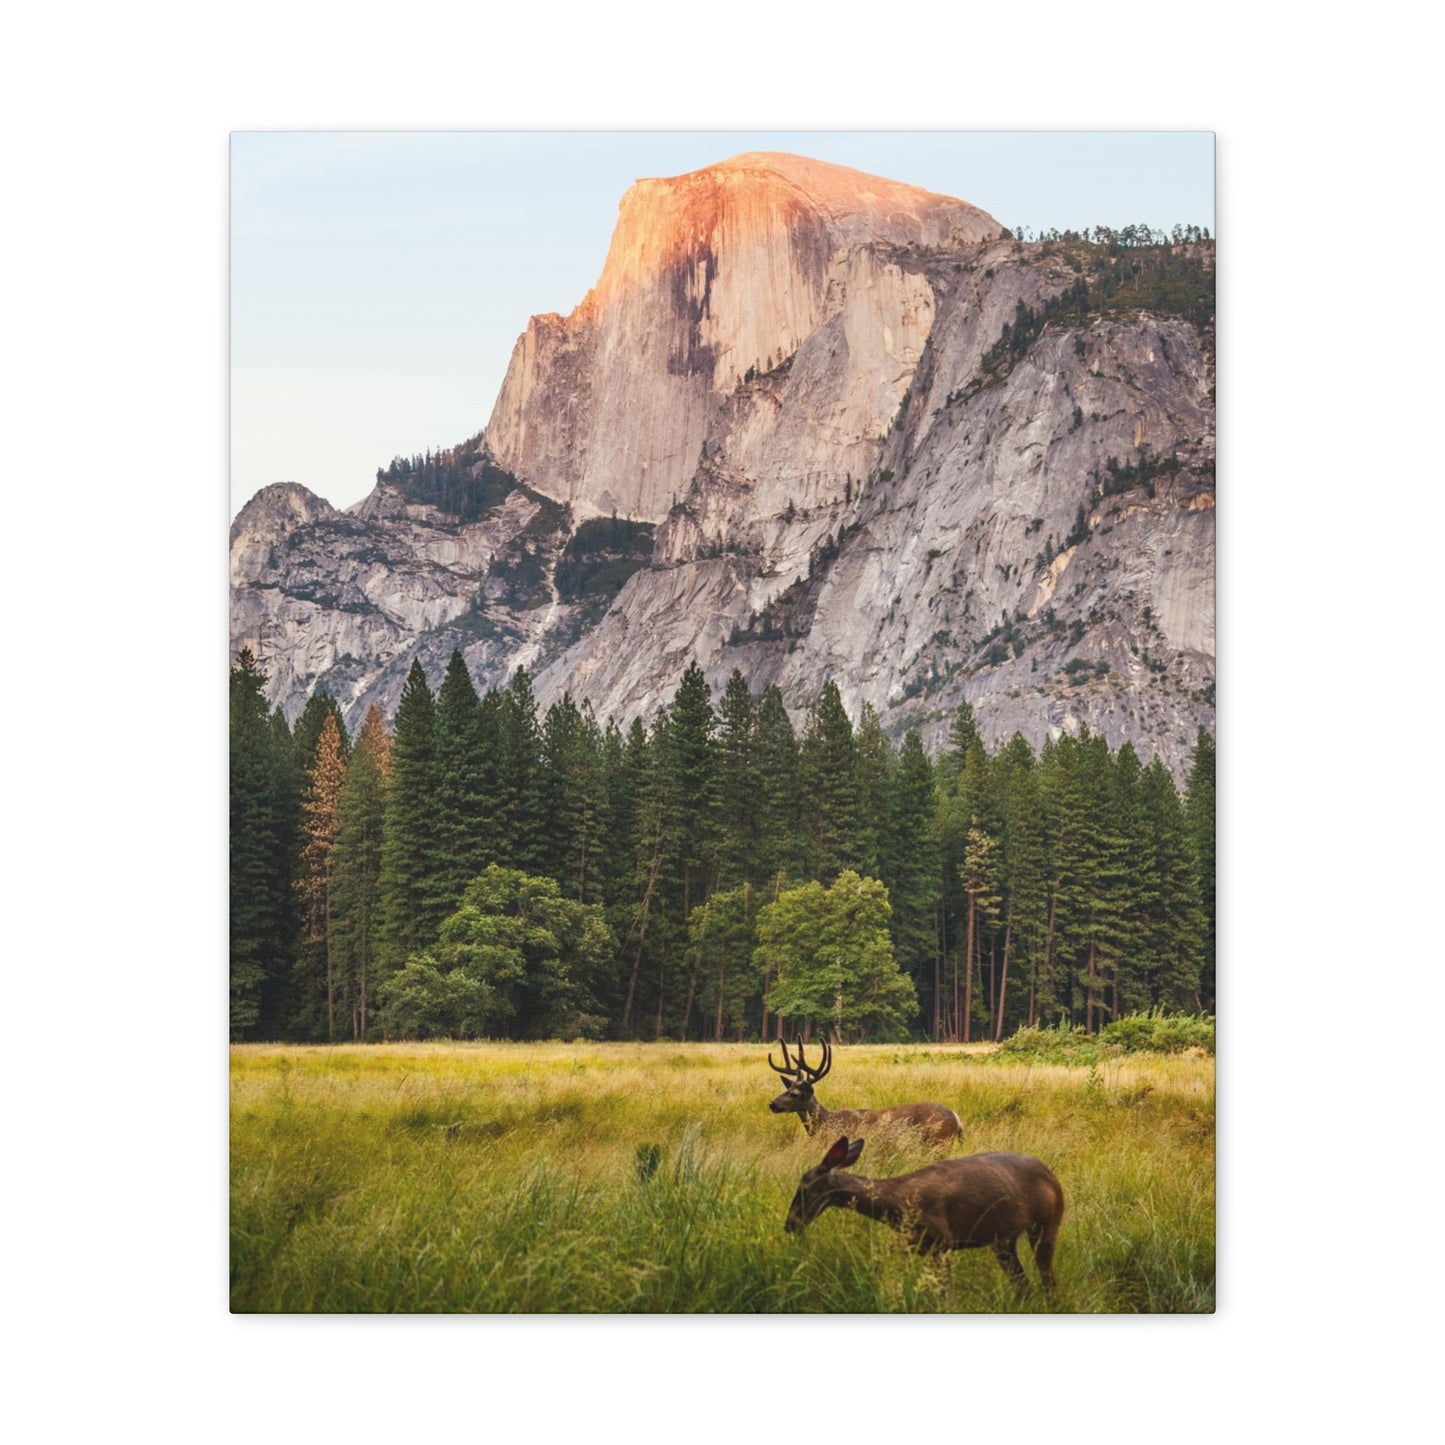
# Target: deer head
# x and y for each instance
(798, 1098)
(815, 1192)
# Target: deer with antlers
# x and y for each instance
(932, 1122)
(979, 1199)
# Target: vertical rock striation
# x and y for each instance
(709, 277)
(860, 446)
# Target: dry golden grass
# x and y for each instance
(502, 1176)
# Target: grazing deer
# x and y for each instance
(955, 1204)
(933, 1122)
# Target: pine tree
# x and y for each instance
(780, 831)
(356, 862)
(319, 821)
(697, 822)
(912, 868)
(413, 905)
(723, 935)
(307, 732)
(1090, 864)
(575, 801)
(524, 818)
(260, 904)
(829, 764)
(962, 734)
(621, 771)
(978, 872)
(1199, 819)
(1139, 900)
(278, 994)
(648, 781)
(739, 779)
(873, 788)
(462, 782)
(656, 931)
(1175, 929)
(1024, 870)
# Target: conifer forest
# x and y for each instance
(480, 869)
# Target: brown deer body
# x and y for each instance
(934, 1123)
(965, 1203)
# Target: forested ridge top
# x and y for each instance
(488, 869)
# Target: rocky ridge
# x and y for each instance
(789, 376)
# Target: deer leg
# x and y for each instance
(1007, 1254)
(1044, 1258)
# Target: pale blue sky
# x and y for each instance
(380, 279)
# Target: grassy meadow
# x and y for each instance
(652, 1178)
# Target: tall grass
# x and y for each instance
(652, 1178)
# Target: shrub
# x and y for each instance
(1160, 1032)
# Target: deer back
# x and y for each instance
(934, 1122)
(960, 1203)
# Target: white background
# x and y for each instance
(116, 125)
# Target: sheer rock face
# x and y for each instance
(711, 276)
(343, 600)
(783, 368)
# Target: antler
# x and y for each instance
(789, 1069)
(811, 1074)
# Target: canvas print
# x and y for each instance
(722, 723)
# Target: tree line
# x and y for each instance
(482, 869)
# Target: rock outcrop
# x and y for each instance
(710, 277)
(867, 440)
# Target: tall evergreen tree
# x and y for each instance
(320, 815)
(1024, 875)
(697, 823)
(1199, 819)
(962, 734)
(574, 800)
(525, 821)
(979, 873)
(621, 768)
(413, 903)
(463, 847)
(260, 855)
(829, 771)
(779, 797)
(874, 791)
(912, 866)
(1139, 900)
(307, 732)
(648, 782)
(738, 776)
(723, 936)
(1174, 930)
(1089, 856)
(278, 994)
(356, 862)
(656, 934)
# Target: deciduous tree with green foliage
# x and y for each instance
(833, 960)
(516, 960)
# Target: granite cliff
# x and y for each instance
(811, 424)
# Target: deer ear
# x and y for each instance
(854, 1150)
(840, 1154)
